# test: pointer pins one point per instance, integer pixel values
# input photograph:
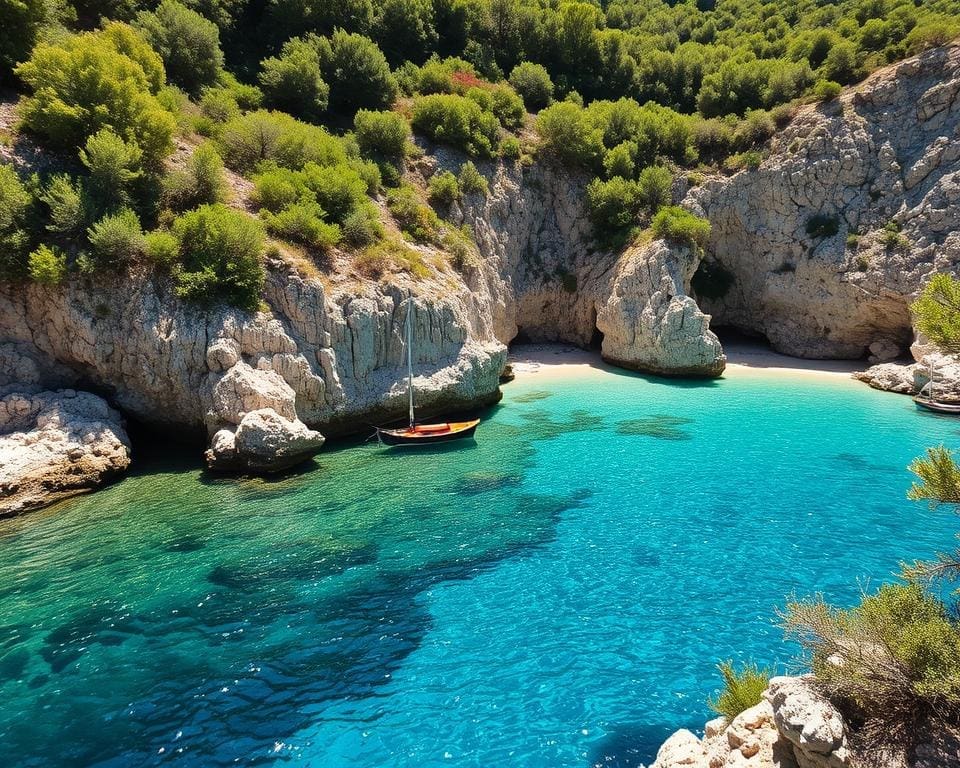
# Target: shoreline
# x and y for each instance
(543, 361)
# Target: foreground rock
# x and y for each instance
(793, 727)
(822, 248)
(57, 444)
(909, 379)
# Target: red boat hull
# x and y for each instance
(428, 434)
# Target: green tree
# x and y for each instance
(293, 81)
(566, 130)
(188, 43)
(84, 83)
(612, 204)
(936, 312)
(21, 24)
(357, 71)
(533, 83)
(404, 29)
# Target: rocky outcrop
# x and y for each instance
(823, 246)
(327, 356)
(910, 379)
(57, 444)
(793, 727)
(649, 323)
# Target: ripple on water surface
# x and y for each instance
(554, 595)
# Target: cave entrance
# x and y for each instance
(596, 340)
(734, 336)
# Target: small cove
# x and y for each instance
(555, 595)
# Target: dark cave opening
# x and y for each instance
(596, 340)
(731, 335)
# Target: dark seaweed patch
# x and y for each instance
(474, 483)
(532, 397)
(660, 426)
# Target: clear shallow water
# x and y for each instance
(556, 595)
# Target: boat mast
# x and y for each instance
(410, 359)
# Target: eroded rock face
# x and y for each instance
(57, 444)
(649, 323)
(883, 157)
(330, 357)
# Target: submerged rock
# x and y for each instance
(57, 444)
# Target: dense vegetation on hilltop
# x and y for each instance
(314, 102)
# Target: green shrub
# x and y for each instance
(619, 161)
(444, 190)
(84, 83)
(381, 133)
(113, 165)
(162, 248)
(64, 200)
(221, 251)
(15, 204)
(338, 189)
(219, 105)
(566, 130)
(362, 227)
(891, 236)
(754, 130)
(276, 188)
(202, 181)
(826, 90)
(507, 106)
(680, 226)
(612, 204)
(936, 313)
(458, 121)
(357, 71)
(470, 180)
(388, 254)
(533, 83)
(742, 689)
(303, 222)
(248, 97)
(654, 187)
(450, 75)
(116, 240)
(932, 33)
(852, 241)
(823, 225)
(293, 81)
(510, 148)
(416, 220)
(188, 43)
(262, 136)
(47, 266)
(894, 659)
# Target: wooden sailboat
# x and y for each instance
(423, 434)
(930, 402)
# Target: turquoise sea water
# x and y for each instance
(555, 595)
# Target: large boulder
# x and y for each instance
(809, 722)
(264, 442)
(648, 321)
(57, 444)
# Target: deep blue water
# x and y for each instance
(555, 595)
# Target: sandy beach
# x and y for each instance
(743, 359)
